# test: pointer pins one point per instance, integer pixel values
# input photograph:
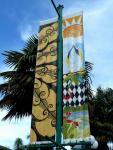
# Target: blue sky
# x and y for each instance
(20, 19)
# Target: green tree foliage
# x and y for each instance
(102, 116)
(4, 148)
(18, 144)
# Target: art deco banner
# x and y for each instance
(75, 108)
(44, 99)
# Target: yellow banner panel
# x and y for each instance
(44, 98)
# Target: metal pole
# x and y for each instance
(55, 7)
(59, 112)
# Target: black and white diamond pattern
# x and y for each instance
(74, 95)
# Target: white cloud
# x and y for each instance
(28, 29)
(98, 44)
(88, 6)
(10, 130)
(26, 32)
(100, 8)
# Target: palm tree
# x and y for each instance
(17, 91)
(87, 76)
(18, 144)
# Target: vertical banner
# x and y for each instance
(75, 107)
(44, 98)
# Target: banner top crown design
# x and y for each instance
(72, 27)
(77, 20)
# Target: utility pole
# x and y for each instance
(59, 100)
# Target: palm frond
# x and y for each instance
(88, 69)
(12, 57)
(17, 91)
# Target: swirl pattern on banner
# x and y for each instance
(44, 98)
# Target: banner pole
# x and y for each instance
(59, 111)
(55, 7)
(59, 98)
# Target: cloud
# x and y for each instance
(88, 6)
(26, 31)
(10, 130)
(98, 44)
(28, 27)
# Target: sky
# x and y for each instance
(20, 19)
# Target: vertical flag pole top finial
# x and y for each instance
(56, 8)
